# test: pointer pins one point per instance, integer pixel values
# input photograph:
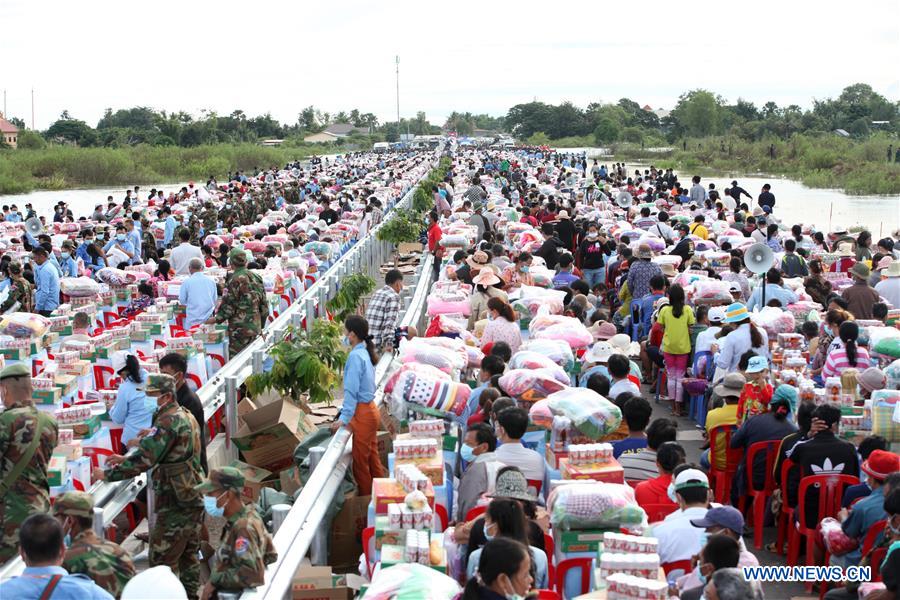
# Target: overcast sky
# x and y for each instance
(269, 56)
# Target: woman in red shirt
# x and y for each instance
(434, 239)
(656, 490)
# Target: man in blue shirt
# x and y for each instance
(120, 242)
(657, 291)
(490, 365)
(774, 291)
(133, 235)
(81, 252)
(46, 280)
(41, 547)
(198, 294)
(171, 225)
(14, 216)
(636, 412)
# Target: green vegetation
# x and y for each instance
(351, 291)
(59, 167)
(406, 225)
(819, 161)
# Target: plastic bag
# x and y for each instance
(592, 414)
(533, 298)
(892, 375)
(836, 541)
(530, 385)
(79, 286)
(24, 325)
(114, 276)
(422, 369)
(445, 396)
(411, 581)
(571, 331)
(710, 291)
(556, 350)
(528, 359)
(540, 414)
(888, 346)
(594, 505)
(774, 320)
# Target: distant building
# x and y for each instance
(9, 132)
(333, 132)
(271, 143)
(647, 108)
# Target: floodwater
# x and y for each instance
(794, 202)
(81, 201)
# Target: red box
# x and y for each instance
(553, 457)
(389, 491)
(611, 472)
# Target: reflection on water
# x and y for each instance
(794, 202)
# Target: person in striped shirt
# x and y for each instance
(846, 354)
(641, 465)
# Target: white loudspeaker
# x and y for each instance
(34, 227)
(759, 258)
(623, 199)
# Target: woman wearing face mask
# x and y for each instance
(246, 547)
(504, 519)
(504, 572)
(590, 256)
(828, 338)
(502, 325)
(132, 406)
(516, 275)
(359, 413)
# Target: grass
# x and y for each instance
(824, 161)
(60, 167)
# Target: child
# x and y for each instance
(757, 391)
(810, 331)
(619, 369)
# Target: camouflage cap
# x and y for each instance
(15, 370)
(237, 257)
(159, 384)
(74, 504)
(223, 478)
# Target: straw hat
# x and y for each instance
(893, 269)
(512, 484)
(845, 249)
(563, 214)
(602, 330)
(644, 251)
(486, 277)
(478, 260)
(668, 269)
(623, 344)
(599, 353)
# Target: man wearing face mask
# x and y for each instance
(103, 561)
(719, 552)
(66, 261)
(27, 439)
(678, 538)
(246, 547)
(477, 450)
(121, 244)
(171, 447)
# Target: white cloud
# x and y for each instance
(480, 56)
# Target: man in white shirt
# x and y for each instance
(511, 426)
(183, 253)
(198, 294)
(481, 470)
(678, 538)
(707, 337)
(889, 288)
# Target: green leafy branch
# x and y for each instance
(350, 292)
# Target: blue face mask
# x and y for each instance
(67, 540)
(525, 269)
(121, 237)
(151, 404)
(703, 578)
(670, 492)
(345, 340)
(467, 453)
(487, 536)
(209, 505)
(64, 255)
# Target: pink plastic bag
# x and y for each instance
(836, 541)
(530, 385)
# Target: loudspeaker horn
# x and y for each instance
(759, 258)
(34, 227)
(295, 172)
(623, 199)
(270, 179)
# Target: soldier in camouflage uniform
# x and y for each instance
(210, 219)
(244, 306)
(246, 547)
(103, 561)
(172, 448)
(27, 439)
(19, 291)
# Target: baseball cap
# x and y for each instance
(691, 478)
(757, 364)
(722, 516)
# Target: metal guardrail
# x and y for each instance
(368, 254)
(304, 521)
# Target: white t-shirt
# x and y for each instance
(678, 539)
(625, 385)
(516, 455)
(706, 339)
(182, 255)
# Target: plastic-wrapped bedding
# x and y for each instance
(774, 320)
(592, 414)
(528, 359)
(540, 414)
(426, 371)
(532, 298)
(408, 581)
(556, 350)
(113, 276)
(443, 358)
(594, 505)
(531, 385)
(709, 291)
(24, 325)
(79, 286)
(571, 331)
(448, 397)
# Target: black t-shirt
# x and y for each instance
(767, 199)
(329, 215)
(565, 230)
(890, 570)
(186, 397)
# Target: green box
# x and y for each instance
(51, 396)
(15, 353)
(585, 540)
(87, 428)
(56, 470)
(140, 335)
(450, 443)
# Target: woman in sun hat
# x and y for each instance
(746, 336)
(132, 407)
(485, 282)
(889, 286)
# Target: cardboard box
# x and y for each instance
(553, 457)
(409, 247)
(386, 536)
(611, 472)
(217, 453)
(389, 491)
(51, 396)
(88, 428)
(432, 467)
(254, 480)
(345, 543)
(56, 470)
(385, 446)
(290, 480)
(140, 335)
(586, 540)
(79, 368)
(65, 383)
(15, 353)
(268, 435)
(391, 554)
(71, 451)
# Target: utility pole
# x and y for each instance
(397, 62)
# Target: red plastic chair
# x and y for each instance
(658, 512)
(95, 454)
(179, 320)
(547, 595)
(157, 344)
(109, 318)
(786, 516)
(536, 485)
(441, 513)
(831, 490)
(191, 378)
(77, 485)
(563, 568)
(367, 535)
(218, 358)
(103, 377)
(876, 559)
(475, 513)
(675, 565)
(759, 498)
(551, 566)
(720, 480)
